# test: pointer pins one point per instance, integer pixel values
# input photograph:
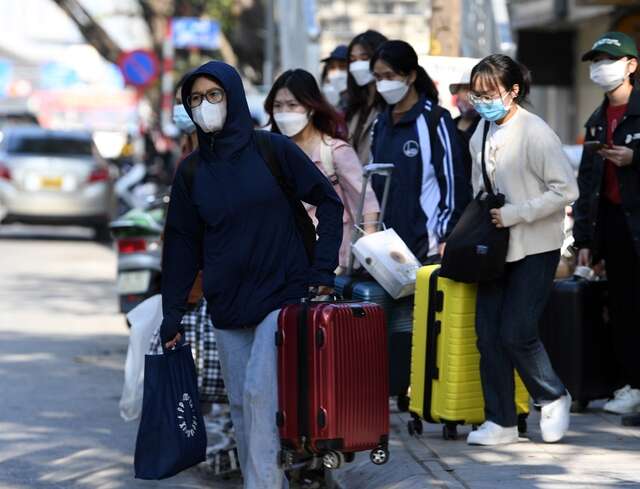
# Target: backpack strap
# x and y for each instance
(190, 164)
(326, 159)
(265, 147)
(303, 221)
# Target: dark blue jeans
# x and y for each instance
(508, 312)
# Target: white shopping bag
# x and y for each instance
(390, 261)
(145, 318)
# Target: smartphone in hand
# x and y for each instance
(594, 146)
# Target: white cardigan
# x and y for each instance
(527, 164)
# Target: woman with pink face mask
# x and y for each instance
(298, 110)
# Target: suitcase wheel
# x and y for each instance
(414, 427)
(379, 456)
(522, 424)
(333, 459)
(402, 402)
(450, 431)
(285, 459)
(579, 406)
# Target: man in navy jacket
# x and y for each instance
(232, 220)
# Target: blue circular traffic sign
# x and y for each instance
(139, 67)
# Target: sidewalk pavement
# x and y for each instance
(596, 453)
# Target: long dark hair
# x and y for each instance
(403, 60)
(357, 96)
(501, 69)
(304, 87)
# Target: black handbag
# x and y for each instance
(476, 250)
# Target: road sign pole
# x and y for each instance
(168, 55)
(270, 46)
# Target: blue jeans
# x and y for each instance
(249, 367)
(508, 313)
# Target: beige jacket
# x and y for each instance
(362, 142)
(526, 163)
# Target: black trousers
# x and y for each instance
(508, 315)
(623, 273)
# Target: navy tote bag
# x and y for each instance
(172, 435)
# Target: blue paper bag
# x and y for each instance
(171, 435)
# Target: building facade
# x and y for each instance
(341, 20)
(552, 36)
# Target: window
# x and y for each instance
(50, 146)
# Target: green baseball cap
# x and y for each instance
(614, 44)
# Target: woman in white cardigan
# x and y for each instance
(525, 162)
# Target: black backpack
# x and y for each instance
(303, 222)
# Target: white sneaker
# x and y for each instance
(625, 401)
(490, 433)
(554, 419)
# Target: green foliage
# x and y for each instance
(222, 10)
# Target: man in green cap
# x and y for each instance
(607, 214)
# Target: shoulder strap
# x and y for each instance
(263, 141)
(485, 176)
(326, 158)
(303, 221)
(189, 172)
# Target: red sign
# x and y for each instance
(140, 68)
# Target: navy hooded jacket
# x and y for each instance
(429, 188)
(237, 225)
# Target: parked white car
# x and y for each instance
(55, 177)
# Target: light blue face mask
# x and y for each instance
(182, 120)
(491, 111)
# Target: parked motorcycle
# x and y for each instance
(138, 235)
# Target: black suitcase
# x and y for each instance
(575, 331)
(399, 315)
(362, 287)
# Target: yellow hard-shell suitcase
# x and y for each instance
(445, 373)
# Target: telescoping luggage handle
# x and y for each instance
(384, 169)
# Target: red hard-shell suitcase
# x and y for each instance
(333, 382)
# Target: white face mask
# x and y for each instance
(361, 72)
(210, 117)
(609, 74)
(392, 91)
(291, 123)
(338, 79)
(331, 94)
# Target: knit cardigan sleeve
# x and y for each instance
(548, 162)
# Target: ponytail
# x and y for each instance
(425, 85)
(403, 60)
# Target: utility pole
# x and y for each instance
(270, 50)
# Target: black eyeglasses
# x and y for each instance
(214, 96)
